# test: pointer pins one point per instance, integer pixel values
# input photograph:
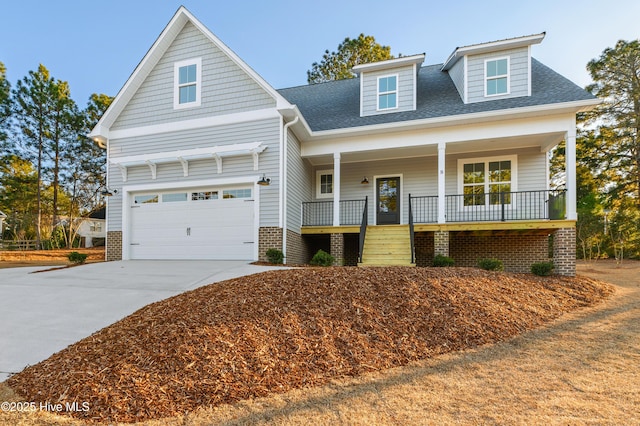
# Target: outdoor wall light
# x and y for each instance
(109, 192)
(264, 181)
(364, 181)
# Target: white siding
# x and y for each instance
(457, 76)
(406, 91)
(518, 71)
(266, 131)
(299, 183)
(420, 177)
(225, 87)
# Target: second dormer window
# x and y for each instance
(187, 83)
(496, 77)
(388, 92)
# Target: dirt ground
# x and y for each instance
(23, 258)
(581, 369)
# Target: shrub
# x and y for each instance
(275, 256)
(542, 269)
(442, 261)
(322, 258)
(491, 264)
(77, 258)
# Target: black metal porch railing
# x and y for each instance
(424, 208)
(506, 206)
(411, 232)
(320, 213)
(492, 207)
(363, 228)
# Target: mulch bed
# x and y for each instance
(286, 329)
(95, 254)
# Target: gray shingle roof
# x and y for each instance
(336, 104)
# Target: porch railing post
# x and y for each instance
(411, 233)
(363, 228)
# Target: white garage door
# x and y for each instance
(194, 224)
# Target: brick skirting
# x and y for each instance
(564, 252)
(268, 237)
(114, 246)
(517, 251)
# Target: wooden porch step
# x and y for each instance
(387, 245)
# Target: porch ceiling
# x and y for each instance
(544, 142)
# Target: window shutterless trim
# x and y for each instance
(388, 92)
(176, 83)
(496, 77)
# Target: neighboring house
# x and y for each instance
(93, 227)
(451, 158)
(2, 218)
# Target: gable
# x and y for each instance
(519, 74)
(226, 87)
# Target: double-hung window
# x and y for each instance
(487, 181)
(187, 83)
(324, 184)
(388, 92)
(496, 76)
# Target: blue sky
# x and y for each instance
(96, 44)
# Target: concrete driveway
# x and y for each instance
(42, 313)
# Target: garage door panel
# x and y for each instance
(200, 229)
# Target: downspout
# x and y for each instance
(285, 145)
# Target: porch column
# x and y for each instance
(442, 210)
(336, 189)
(570, 172)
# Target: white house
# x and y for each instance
(392, 167)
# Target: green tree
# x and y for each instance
(616, 122)
(5, 107)
(32, 100)
(351, 52)
(18, 186)
(86, 177)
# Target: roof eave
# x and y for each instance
(475, 49)
(451, 120)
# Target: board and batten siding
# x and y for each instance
(226, 88)
(456, 73)
(265, 131)
(518, 74)
(406, 90)
(299, 181)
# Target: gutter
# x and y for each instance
(283, 184)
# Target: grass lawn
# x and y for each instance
(581, 367)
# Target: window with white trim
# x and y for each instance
(187, 83)
(324, 184)
(487, 181)
(204, 195)
(496, 72)
(388, 92)
(236, 193)
(145, 199)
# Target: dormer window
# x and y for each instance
(388, 92)
(496, 76)
(187, 83)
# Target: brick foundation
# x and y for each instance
(297, 249)
(114, 246)
(337, 249)
(268, 237)
(564, 252)
(441, 243)
(424, 248)
(517, 251)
